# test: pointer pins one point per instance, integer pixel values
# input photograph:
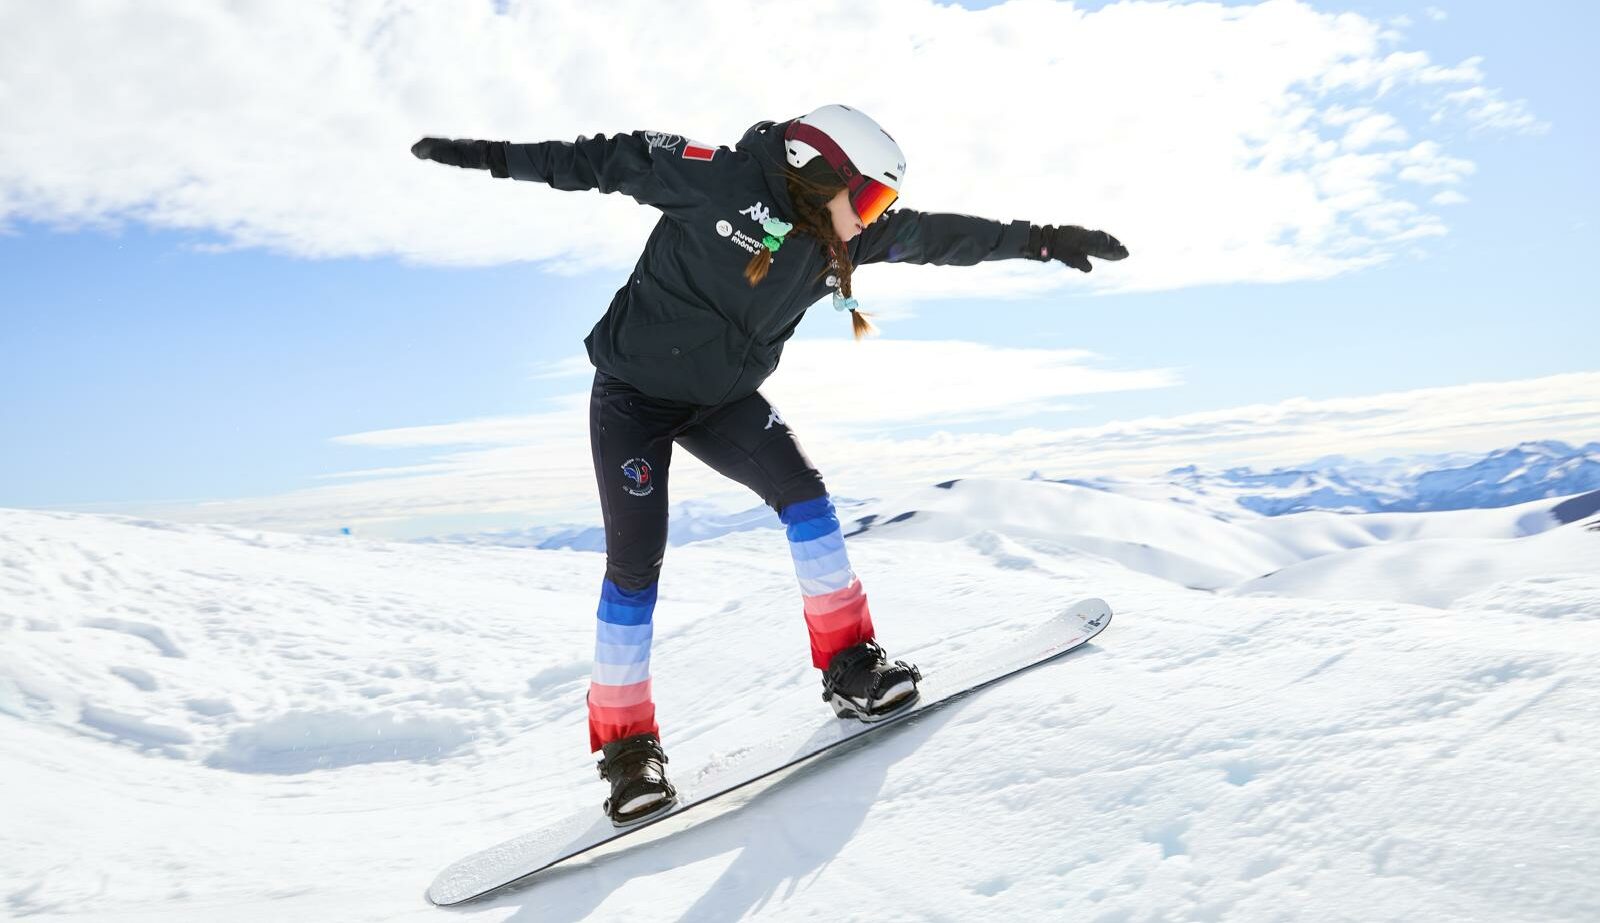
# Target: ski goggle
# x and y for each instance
(869, 197)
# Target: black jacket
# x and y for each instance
(687, 326)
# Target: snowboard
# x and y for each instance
(517, 861)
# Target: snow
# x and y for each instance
(1400, 723)
(1434, 572)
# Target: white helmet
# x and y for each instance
(861, 152)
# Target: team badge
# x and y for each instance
(640, 481)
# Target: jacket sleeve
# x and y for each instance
(655, 168)
(909, 236)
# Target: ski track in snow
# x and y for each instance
(205, 723)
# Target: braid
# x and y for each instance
(810, 188)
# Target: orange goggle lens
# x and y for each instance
(871, 199)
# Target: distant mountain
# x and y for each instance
(1531, 471)
(1506, 477)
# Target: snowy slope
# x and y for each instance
(1439, 571)
(214, 724)
(1188, 547)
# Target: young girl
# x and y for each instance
(749, 238)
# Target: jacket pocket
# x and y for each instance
(666, 339)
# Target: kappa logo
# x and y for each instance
(662, 140)
(637, 471)
(773, 417)
(758, 213)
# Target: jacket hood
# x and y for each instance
(764, 142)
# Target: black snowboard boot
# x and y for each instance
(860, 684)
(636, 768)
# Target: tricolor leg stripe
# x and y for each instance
(836, 610)
(621, 674)
(621, 655)
(809, 519)
(620, 702)
(610, 633)
(626, 607)
(820, 567)
(609, 695)
(821, 547)
(827, 585)
(835, 605)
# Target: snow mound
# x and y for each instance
(305, 741)
(1436, 572)
(1557, 596)
(272, 653)
(1185, 546)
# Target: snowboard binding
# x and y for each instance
(636, 768)
(860, 683)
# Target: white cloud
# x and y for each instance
(866, 424)
(1448, 197)
(1483, 108)
(1190, 130)
(876, 385)
(1427, 165)
(1379, 128)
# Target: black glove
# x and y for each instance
(1073, 245)
(472, 155)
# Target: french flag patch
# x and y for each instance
(694, 150)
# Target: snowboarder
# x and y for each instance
(749, 238)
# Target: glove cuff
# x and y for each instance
(1041, 241)
(494, 156)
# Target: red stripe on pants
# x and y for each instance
(836, 621)
(616, 712)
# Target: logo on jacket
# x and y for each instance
(662, 140)
(640, 482)
(773, 417)
(758, 213)
(744, 241)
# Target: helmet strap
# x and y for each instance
(830, 151)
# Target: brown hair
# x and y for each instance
(810, 188)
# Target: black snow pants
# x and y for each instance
(631, 436)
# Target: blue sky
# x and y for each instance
(146, 366)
